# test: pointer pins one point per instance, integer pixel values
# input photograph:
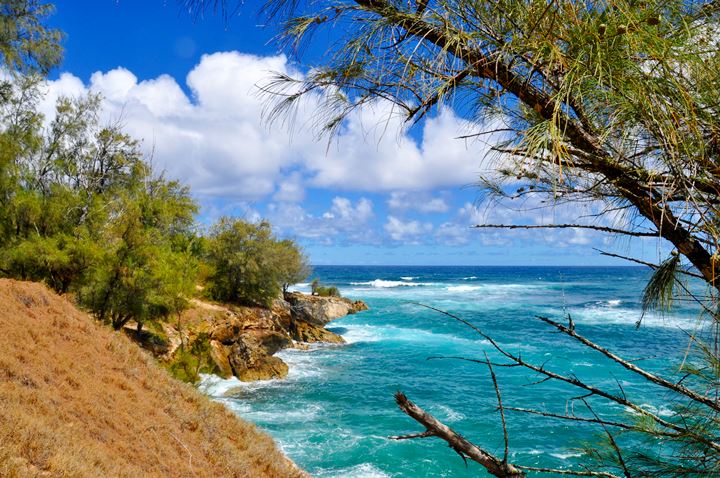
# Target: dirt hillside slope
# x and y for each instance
(77, 400)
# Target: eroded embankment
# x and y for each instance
(77, 399)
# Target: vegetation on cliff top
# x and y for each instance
(82, 210)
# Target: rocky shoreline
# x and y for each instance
(241, 341)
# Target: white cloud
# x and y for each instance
(423, 202)
(343, 210)
(290, 189)
(344, 221)
(411, 232)
(215, 138)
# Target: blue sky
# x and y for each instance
(377, 194)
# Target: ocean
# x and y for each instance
(335, 411)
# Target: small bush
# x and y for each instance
(323, 291)
(190, 361)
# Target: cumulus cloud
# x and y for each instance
(409, 232)
(344, 221)
(419, 201)
(215, 139)
(530, 210)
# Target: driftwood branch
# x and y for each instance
(458, 443)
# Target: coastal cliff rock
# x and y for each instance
(242, 341)
(321, 310)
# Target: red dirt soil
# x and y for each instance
(79, 400)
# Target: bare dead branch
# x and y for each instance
(682, 390)
(459, 444)
(611, 230)
(601, 474)
(648, 264)
(424, 434)
(574, 381)
(500, 407)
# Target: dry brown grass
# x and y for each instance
(77, 399)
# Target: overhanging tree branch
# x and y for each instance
(610, 230)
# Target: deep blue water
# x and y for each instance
(334, 412)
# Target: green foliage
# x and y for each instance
(189, 362)
(611, 103)
(250, 265)
(323, 291)
(82, 211)
(26, 44)
(659, 291)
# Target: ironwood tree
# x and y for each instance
(610, 102)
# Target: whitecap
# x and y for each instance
(463, 288)
(469, 278)
(301, 364)
(450, 415)
(383, 284)
(566, 455)
(308, 413)
(601, 315)
(363, 470)
(300, 287)
(408, 278)
(661, 411)
(584, 364)
(358, 333)
(215, 386)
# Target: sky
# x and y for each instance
(377, 194)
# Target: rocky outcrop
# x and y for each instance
(321, 310)
(242, 341)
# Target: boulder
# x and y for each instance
(250, 361)
(307, 332)
(321, 310)
(219, 355)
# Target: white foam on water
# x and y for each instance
(600, 315)
(469, 278)
(384, 284)
(584, 364)
(308, 413)
(300, 287)
(661, 411)
(449, 414)
(357, 333)
(303, 364)
(363, 470)
(614, 302)
(566, 455)
(463, 288)
(408, 278)
(216, 386)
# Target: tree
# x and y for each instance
(295, 264)
(612, 102)
(83, 212)
(250, 266)
(27, 45)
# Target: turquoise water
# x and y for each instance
(334, 412)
